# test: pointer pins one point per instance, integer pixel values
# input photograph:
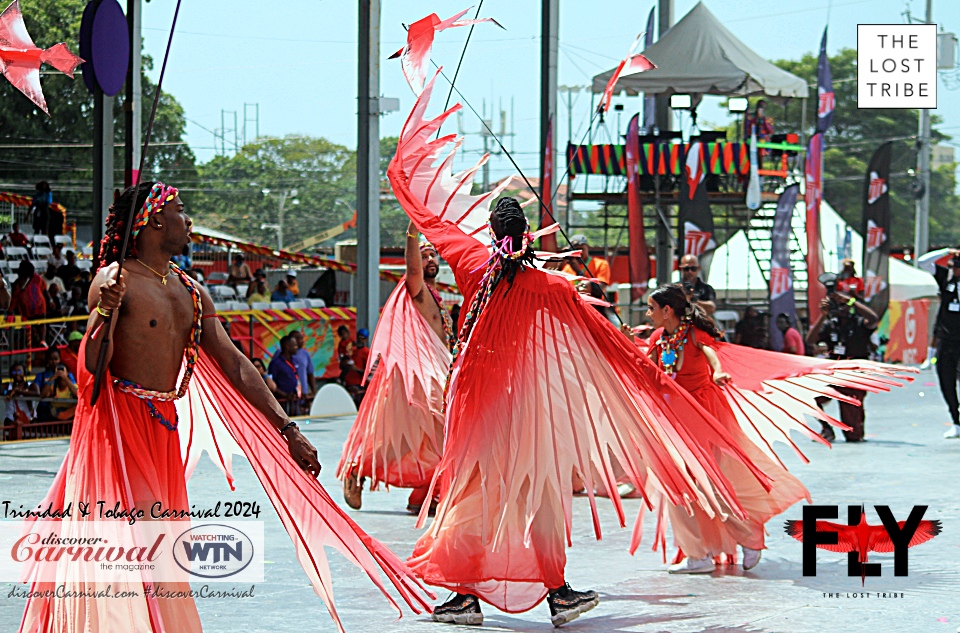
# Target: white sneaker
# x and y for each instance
(953, 433)
(693, 566)
(750, 557)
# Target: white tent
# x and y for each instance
(736, 275)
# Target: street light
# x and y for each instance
(278, 227)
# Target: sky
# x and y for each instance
(297, 60)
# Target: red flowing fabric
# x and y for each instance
(397, 437)
(546, 389)
(118, 453)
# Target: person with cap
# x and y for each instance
(292, 284)
(282, 292)
(703, 293)
(70, 353)
(597, 267)
(847, 280)
(239, 272)
(260, 275)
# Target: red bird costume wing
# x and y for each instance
(925, 531)
(415, 55)
(397, 437)
(215, 417)
(772, 392)
(562, 394)
(20, 58)
(847, 540)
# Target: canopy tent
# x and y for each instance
(698, 56)
(735, 275)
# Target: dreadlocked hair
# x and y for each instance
(672, 295)
(509, 227)
(116, 224)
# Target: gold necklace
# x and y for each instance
(163, 278)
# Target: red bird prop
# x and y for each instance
(414, 56)
(20, 59)
(631, 65)
(863, 538)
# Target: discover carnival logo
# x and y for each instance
(213, 551)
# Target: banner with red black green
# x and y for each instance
(876, 230)
(639, 256)
(782, 300)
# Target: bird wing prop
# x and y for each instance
(20, 58)
(414, 56)
(632, 64)
(848, 539)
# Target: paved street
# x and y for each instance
(905, 462)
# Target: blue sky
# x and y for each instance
(297, 58)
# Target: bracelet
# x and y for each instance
(105, 314)
(413, 236)
(852, 301)
(287, 426)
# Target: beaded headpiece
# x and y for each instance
(425, 245)
(160, 195)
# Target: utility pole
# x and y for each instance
(664, 118)
(549, 43)
(921, 234)
(368, 166)
(133, 112)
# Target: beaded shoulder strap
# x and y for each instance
(191, 353)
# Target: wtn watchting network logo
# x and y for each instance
(213, 551)
(858, 538)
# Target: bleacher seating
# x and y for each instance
(217, 278)
(278, 305)
(261, 305)
(16, 252)
(316, 303)
(238, 305)
(297, 305)
(41, 252)
(63, 239)
(223, 292)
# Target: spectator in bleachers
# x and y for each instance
(50, 277)
(284, 373)
(76, 303)
(292, 284)
(239, 272)
(17, 409)
(258, 292)
(257, 276)
(45, 382)
(16, 237)
(69, 271)
(304, 363)
(56, 257)
(27, 299)
(282, 292)
(40, 207)
(55, 219)
(63, 386)
(54, 302)
(267, 377)
(70, 353)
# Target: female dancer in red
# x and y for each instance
(683, 347)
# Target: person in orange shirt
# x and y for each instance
(597, 267)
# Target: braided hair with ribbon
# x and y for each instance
(150, 199)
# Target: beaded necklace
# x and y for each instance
(444, 316)
(191, 354)
(671, 346)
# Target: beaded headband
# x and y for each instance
(160, 195)
(425, 245)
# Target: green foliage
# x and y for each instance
(852, 139)
(68, 169)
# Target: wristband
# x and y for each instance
(851, 301)
(100, 310)
(413, 236)
(287, 426)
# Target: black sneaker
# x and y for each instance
(460, 609)
(566, 604)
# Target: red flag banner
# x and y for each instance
(908, 331)
(547, 242)
(639, 257)
(876, 230)
(812, 196)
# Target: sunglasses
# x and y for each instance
(689, 268)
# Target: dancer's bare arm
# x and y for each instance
(106, 293)
(246, 379)
(414, 261)
(719, 376)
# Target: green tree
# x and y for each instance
(852, 139)
(54, 155)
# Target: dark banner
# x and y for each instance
(694, 220)
(639, 257)
(781, 274)
(876, 230)
(813, 174)
(826, 100)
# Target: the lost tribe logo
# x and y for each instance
(213, 551)
(858, 538)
